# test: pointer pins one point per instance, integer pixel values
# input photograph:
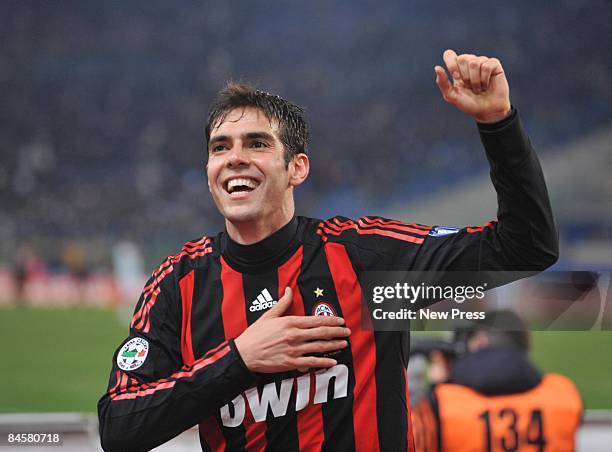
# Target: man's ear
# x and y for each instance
(206, 175)
(299, 168)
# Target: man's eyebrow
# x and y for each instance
(255, 135)
(248, 135)
(217, 138)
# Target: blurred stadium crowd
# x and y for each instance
(101, 129)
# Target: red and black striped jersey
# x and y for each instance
(179, 366)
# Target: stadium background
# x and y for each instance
(101, 150)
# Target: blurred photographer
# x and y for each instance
(494, 398)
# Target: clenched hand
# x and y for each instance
(479, 86)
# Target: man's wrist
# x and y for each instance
(495, 117)
(239, 355)
(498, 125)
(505, 141)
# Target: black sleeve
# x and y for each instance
(523, 238)
(151, 395)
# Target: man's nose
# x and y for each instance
(237, 156)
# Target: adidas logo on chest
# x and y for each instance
(263, 301)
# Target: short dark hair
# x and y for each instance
(292, 125)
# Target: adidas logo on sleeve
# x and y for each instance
(263, 301)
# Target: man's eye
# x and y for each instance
(259, 144)
(218, 148)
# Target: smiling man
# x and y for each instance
(250, 175)
(255, 333)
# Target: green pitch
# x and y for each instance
(582, 355)
(59, 359)
(56, 359)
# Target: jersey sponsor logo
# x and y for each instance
(263, 301)
(440, 231)
(133, 354)
(323, 308)
(276, 401)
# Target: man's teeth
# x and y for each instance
(233, 184)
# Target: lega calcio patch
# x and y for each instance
(441, 231)
(133, 354)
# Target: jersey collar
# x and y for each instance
(265, 253)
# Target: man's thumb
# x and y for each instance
(281, 306)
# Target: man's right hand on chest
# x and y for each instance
(277, 343)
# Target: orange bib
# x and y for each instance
(543, 419)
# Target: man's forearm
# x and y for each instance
(526, 226)
(141, 416)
